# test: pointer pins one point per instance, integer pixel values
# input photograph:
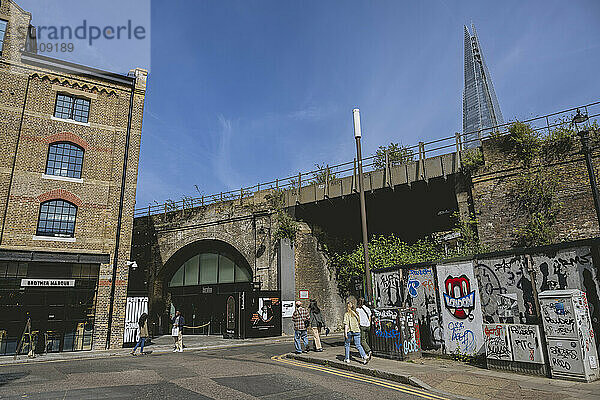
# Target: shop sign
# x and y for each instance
(47, 282)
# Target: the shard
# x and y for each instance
(480, 104)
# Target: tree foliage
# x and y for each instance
(397, 154)
(322, 174)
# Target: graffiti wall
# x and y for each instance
(497, 342)
(526, 343)
(494, 290)
(421, 295)
(506, 290)
(506, 286)
(389, 289)
(571, 269)
(461, 308)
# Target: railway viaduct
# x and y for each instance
(411, 200)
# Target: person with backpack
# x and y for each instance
(316, 323)
(143, 330)
(364, 313)
(352, 333)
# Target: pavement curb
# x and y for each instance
(365, 370)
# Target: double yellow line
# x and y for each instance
(361, 378)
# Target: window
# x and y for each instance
(209, 269)
(2, 33)
(70, 107)
(64, 159)
(57, 218)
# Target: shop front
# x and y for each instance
(57, 297)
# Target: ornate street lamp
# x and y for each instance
(586, 150)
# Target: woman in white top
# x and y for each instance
(364, 313)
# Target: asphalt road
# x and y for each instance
(247, 372)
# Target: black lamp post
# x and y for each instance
(586, 150)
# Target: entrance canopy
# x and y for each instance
(208, 269)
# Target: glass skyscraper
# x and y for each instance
(480, 105)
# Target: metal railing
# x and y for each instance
(457, 142)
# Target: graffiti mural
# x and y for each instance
(497, 343)
(461, 308)
(506, 290)
(526, 343)
(421, 295)
(389, 289)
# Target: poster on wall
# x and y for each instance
(135, 307)
(461, 308)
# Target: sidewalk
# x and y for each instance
(160, 344)
(456, 379)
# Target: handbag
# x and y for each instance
(175, 331)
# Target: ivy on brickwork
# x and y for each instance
(534, 193)
(287, 227)
(534, 190)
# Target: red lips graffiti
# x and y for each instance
(459, 299)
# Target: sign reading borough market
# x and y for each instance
(48, 282)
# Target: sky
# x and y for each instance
(241, 92)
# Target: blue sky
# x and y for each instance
(242, 92)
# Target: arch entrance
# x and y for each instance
(200, 278)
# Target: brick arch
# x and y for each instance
(67, 137)
(60, 194)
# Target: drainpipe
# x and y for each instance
(120, 218)
(12, 171)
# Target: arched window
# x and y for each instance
(64, 159)
(209, 268)
(57, 218)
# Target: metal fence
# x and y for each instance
(543, 125)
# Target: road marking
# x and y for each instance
(361, 378)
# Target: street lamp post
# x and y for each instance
(363, 210)
(584, 135)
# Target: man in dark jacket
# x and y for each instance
(300, 319)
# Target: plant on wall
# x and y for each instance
(471, 160)
(287, 227)
(534, 190)
(534, 193)
(322, 174)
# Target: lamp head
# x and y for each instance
(356, 116)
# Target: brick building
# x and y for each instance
(70, 140)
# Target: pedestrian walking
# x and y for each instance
(364, 314)
(352, 333)
(316, 323)
(177, 332)
(143, 330)
(301, 319)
